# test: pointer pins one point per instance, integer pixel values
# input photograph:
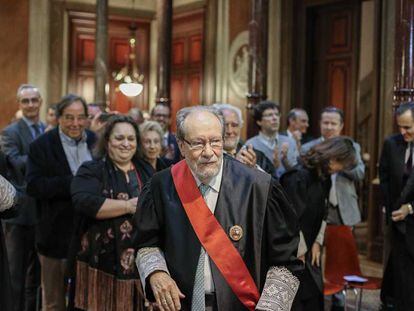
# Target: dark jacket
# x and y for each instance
(15, 142)
(261, 160)
(172, 143)
(248, 198)
(48, 180)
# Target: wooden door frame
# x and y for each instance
(296, 25)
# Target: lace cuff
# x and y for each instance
(8, 195)
(150, 259)
(279, 290)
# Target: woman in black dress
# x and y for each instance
(105, 194)
(307, 186)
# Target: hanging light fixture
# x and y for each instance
(129, 77)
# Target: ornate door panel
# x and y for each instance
(333, 71)
(82, 58)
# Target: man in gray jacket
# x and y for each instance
(343, 199)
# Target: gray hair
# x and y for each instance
(23, 87)
(236, 110)
(183, 113)
(148, 126)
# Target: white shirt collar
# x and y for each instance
(268, 138)
(215, 182)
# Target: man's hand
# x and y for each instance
(284, 151)
(316, 254)
(400, 213)
(276, 160)
(247, 156)
(166, 292)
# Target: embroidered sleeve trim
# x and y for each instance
(150, 259)
(7, 194)
(279, 290)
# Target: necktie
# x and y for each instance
(333, 199)
(36, 130)
(198, 302)
(409, 163)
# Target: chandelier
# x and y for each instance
(128, 76)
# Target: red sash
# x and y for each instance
(213, 238)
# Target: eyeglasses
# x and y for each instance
(201, 145)
(71, 118)
(33, 100)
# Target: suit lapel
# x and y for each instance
(25, 132)
(58, 150)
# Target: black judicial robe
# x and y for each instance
(248, 198)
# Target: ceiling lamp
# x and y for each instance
(129, 77)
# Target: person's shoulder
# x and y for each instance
(243, 171)
(47, 137)
(13, 127)
(285, 138)
(394, 138)
(252, 140)
(311, 143)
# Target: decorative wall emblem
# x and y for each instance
(239, 64)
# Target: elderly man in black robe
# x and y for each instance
(214, 234)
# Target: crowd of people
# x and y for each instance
(105, 211)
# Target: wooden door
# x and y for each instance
(82, 58)
(332, 68)
(187, 61)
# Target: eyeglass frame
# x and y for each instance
(194, 148)
(33, 100)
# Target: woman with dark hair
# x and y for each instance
(105, 194)
(307, 186)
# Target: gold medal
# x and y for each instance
(236, 233)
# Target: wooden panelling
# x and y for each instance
(340, 33)
(194, 89)
(178, 52)
(332, 73)
(196, 51)
(339, 79)
(82, 28)
(14, 38)
(187, 61)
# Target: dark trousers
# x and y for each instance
(398, 281)
(24, 265)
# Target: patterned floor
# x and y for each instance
(370, 298)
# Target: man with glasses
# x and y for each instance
(280, 150)
(53, 160)
(211, 231)
(162, 114)
(20, 231)
(233, 145)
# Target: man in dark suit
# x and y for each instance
(53, 160)
(162, 114)
(20, 230)
(395, 167)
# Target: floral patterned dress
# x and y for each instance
(106, 274)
